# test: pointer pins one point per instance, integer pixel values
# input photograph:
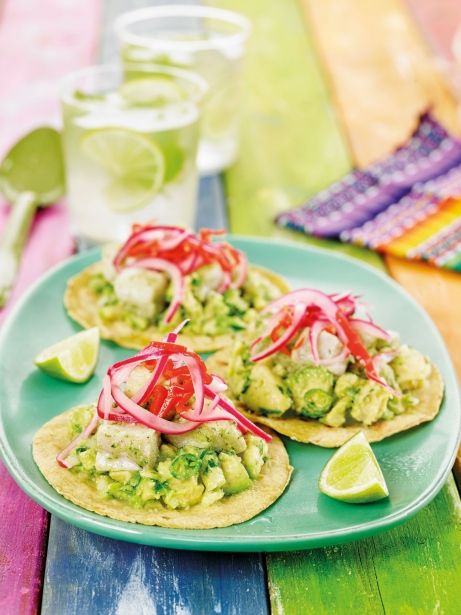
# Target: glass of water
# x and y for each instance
(130, 145)
(209, 41)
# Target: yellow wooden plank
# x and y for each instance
(383, 76)
(382, 73)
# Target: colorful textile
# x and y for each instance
(404, 205)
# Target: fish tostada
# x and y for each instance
(164, 274)
(318, 373)
(162, 446)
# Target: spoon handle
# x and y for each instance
(12, 241)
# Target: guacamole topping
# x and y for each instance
(163, 275)
(318, 372)
(162, 446)
(161, 431)
(137, 465)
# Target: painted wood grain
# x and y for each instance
(89, 574)
(413, 569)
(381, 73)
(23, 533)
(291, 141)
(382, 76)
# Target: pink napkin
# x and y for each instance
(40, 42)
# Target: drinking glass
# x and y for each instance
(130, 146)
(211, 42)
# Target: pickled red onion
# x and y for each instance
(83, 435)
(335, 310)
(298, 315)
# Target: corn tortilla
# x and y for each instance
(81, 303)
(268, 487)
(313, 432)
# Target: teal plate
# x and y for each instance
(415, 463)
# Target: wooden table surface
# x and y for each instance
(331, 84)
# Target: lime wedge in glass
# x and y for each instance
(155, 91)
(73, 359)
(135, 166)
(353, 474)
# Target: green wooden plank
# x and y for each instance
(291, 145)
(411, 570)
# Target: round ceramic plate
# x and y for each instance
(415, 463)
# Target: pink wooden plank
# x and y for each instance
(438, 20)
(39, 43)
(23, 533)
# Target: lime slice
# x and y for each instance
(353, 474)
(154, 91)
(72, 359)
(134, 164)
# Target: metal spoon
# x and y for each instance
(31, 174)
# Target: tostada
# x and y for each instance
(163, 275)
(315, 371)
(163, 446)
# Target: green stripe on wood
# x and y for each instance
(411, 570)
(291, 143)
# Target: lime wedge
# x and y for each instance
(155, 91)
(353, 474)
(72, 359)
(134, 164)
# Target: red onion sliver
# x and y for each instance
(89, 429)
(104, 404)
(365, 327)
(314, 333)
(147, 418)
(217, 384)
(146, 391)
(298, 314)
(226, 283)
(197, 383)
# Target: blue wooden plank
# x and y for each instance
(86, 573)
(211, 210)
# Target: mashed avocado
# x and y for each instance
(137, 465)
(140, 298)
(265, 392)
(410, 368)
(283, 386)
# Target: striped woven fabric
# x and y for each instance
(408, 205)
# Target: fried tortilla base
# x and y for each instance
(81, 304)
(313, 432)
(268, 487)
